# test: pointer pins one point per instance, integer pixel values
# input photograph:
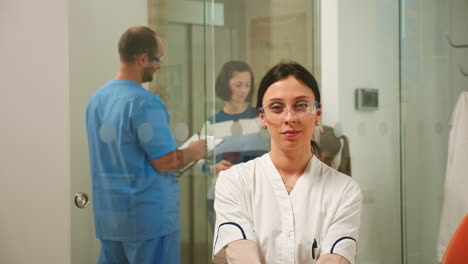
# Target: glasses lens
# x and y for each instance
(277, 112)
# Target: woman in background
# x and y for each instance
(237, 124)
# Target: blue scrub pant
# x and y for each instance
(163, 250)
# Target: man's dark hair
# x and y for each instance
(136, 41)
(222, 88)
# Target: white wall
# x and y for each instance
(364, 54)
(34, 137)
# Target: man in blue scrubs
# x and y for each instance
(132, 153)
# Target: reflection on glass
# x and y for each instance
(335, 148)
(237, 124)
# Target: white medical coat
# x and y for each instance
(251, 202)
(455, 205)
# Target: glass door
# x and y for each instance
(181, 83)
(94, 60)
(432, 80)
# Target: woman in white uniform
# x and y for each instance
(287, 206)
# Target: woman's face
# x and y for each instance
(288, 114)
(240, 86)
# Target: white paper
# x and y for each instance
(193, 138)
(211, 143)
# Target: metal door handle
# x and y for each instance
(81, 200)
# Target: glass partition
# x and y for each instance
(431, 83)
(202, 36)
(403, 51)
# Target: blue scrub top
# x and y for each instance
(127, 127)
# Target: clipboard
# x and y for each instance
(211, 143)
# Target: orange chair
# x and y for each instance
(457, 250)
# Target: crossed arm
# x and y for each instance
(245, 251)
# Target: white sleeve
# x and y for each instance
(233, 213)
(342, 234)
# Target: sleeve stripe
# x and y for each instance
(230, 223)
(337, 241)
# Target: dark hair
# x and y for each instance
(222, 88)
(282, 71)
(135, 41)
